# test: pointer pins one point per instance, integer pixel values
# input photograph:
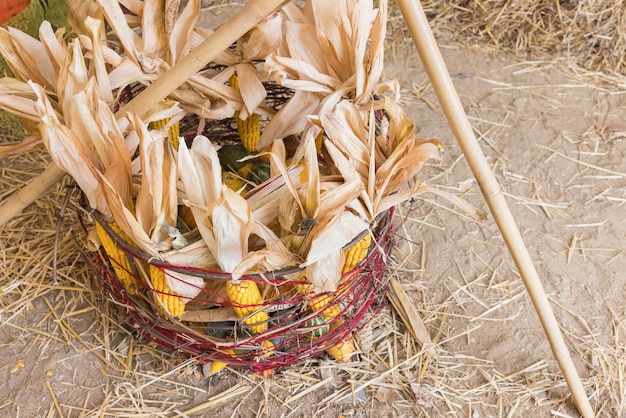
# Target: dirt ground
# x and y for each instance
(555, 141)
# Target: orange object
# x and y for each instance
(9, 8)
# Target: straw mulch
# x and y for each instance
(589, 33)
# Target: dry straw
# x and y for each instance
(590, 33)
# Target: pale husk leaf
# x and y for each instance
(230, 221)
(184, 285)
(126, 219)
(56, 47)
(201, 183)
(36, 64)
(131, 42)
(252, 90)
(325, 274)
(182, 32)
(290, 119)
(68, 152)
(263, 39)
(157, 200)
(29, 143)
(94, 28)
(333, 234)
(196, 254)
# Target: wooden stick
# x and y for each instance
(14, 205)
(244, 20)
(434, 64)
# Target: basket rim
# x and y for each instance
(220, 275)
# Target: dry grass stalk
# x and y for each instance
(587, 33)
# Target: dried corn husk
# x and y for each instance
(157, 199)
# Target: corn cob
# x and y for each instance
(233, 182)
(266, 351)
(356, 253)
(216, 366)
(319, 140)
(173, 131)
(117, 257)
(249, 129)
(163, 295)
(246, 300)
(320, 304)
(342, 351)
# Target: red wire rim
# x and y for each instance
(293, 329)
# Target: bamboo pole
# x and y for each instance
(434, 64)
(244, 20)
(14, 205)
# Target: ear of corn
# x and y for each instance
(320, 303)
(246, 300)
(356, 253)
(173, 132)
(267, 349)
(117, 257)
(163, 295)
(249, 129)
(319, 140)
(233, 182)
(217, 366)
(342, 351)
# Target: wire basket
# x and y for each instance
(208, 329)
(294, 332)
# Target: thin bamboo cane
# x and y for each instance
(21, 199)
(434, 64)
(251, 14)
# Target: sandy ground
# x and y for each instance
(555, 142)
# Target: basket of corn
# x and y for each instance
(246, 218)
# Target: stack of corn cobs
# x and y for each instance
(304, 180)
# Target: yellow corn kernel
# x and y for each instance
(320, 304)
(217, 365)
(246, 300)
(163, 295)
(249, 130)
(233, 182)
(356, 253)
(117, 257)
(342, 351)
(173, 132)
(319, 140)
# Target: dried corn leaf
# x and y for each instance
(230, 222)
(157, 200)
(180, 42)
(95, 29)
(184, 285)
(290, 119)
(201, 177)
(68, 152)
(332, 234)
(325, 273)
